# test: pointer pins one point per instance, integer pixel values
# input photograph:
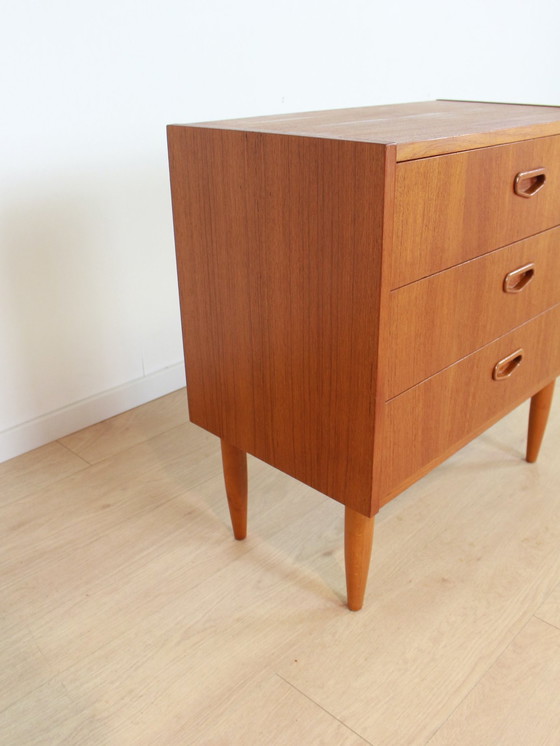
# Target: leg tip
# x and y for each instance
(354, 607)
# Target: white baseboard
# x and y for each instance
(57, 424)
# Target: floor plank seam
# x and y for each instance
(70, 450)
(330, 714)
(479, 679)
(115, 526)
(545, 621)
(59, 672)
(134, 445)
(38, 488)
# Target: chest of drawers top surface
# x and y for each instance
(416, 129)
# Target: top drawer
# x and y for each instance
(451, 208)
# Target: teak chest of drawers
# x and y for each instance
(363, 291)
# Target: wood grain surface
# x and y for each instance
(550, 610)
(538, 417)
(427, 423)
(234, 463)
(28, 473)
(279, 245)
(291, 232)
(444, 317)
(130, 615)
(417, 129)
(456, 207)
(358, 542)
(517, 701)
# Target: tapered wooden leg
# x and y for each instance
(358, 540)
(538, 416)
(235, 477)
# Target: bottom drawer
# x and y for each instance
(430, 421)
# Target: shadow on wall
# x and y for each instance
(87, 288)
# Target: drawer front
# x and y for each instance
(431, 420)
(437, 320)
(451, 208)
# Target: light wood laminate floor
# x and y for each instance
(129, 614)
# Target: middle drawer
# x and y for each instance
(442, 318)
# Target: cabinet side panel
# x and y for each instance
(279, 246)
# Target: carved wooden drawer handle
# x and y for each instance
(528, 183)
(505, 367)
(518, 279)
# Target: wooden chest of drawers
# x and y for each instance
(363, 291)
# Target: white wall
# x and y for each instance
(89, 320)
